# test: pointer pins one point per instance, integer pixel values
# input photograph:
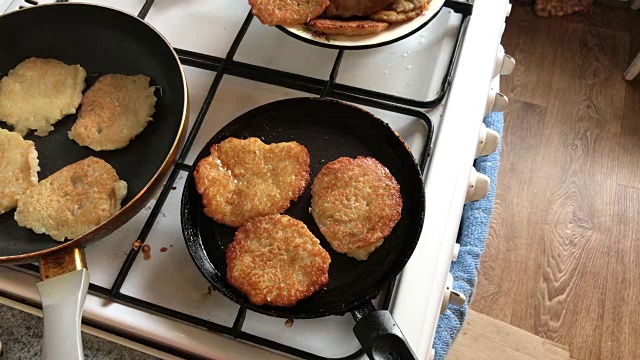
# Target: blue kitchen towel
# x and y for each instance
(473, 234)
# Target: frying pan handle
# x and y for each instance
(62, 299)
(380, 336)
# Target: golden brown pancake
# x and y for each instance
(356, 203)
(348, 28)
(287, 12)
(394, 17)
(350, 8)
(18, 168)
(276, 260)
(407, 5)
(114, 111)
(245, 179)
(72, 201)
(401, 11)
(39, 92)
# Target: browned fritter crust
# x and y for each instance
(349, 28)
(394, 17)
(245, 179)
(349, 8)
(72, 201)
(356, 203)
(287, 12)
(276, 260)
(114, 111)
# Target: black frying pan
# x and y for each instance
(102, 40)
(328, 129)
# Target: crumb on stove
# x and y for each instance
(288, 323)
(136, 245)
(163, 249)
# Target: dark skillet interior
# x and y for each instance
(329, 130)
(102, 41)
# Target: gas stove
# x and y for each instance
(433, 88)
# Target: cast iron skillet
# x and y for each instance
(328, 129)
(102, 40)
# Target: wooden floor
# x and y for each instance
(484, 338)
(563, 255)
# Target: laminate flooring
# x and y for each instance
(484, 338)
(562, 259)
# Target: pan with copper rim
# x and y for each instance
(102, 40)
(329, 129)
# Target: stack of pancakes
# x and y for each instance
(338, 17)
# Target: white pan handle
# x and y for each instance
(62, 302)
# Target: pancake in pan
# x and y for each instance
(356, 203)
(72, 201)
(114, 111)
(18, 168)
(39, 92)
(245, 179)
(276, 260)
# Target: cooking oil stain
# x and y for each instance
(146, 252)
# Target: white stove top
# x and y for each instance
(412, 68)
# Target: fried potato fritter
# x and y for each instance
(348, 28)
(407, 5)
(39, 92)
(349, 8)
(287, 12)
(356, 203)
(394, 17)
(114, 110)
(276, 260)
(18, 168)
(245, 179)
(72, 201)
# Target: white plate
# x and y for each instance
(387, 36)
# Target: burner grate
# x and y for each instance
(323, 88)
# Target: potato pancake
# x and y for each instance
(348, 28)
(114, 110)
(39, 92)
(72, 201)
(356, 203)
(394, 17)
(18, 168)
(350, 8)
(276, 260)
(287, 12)
(407, 5)
(245, 179)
